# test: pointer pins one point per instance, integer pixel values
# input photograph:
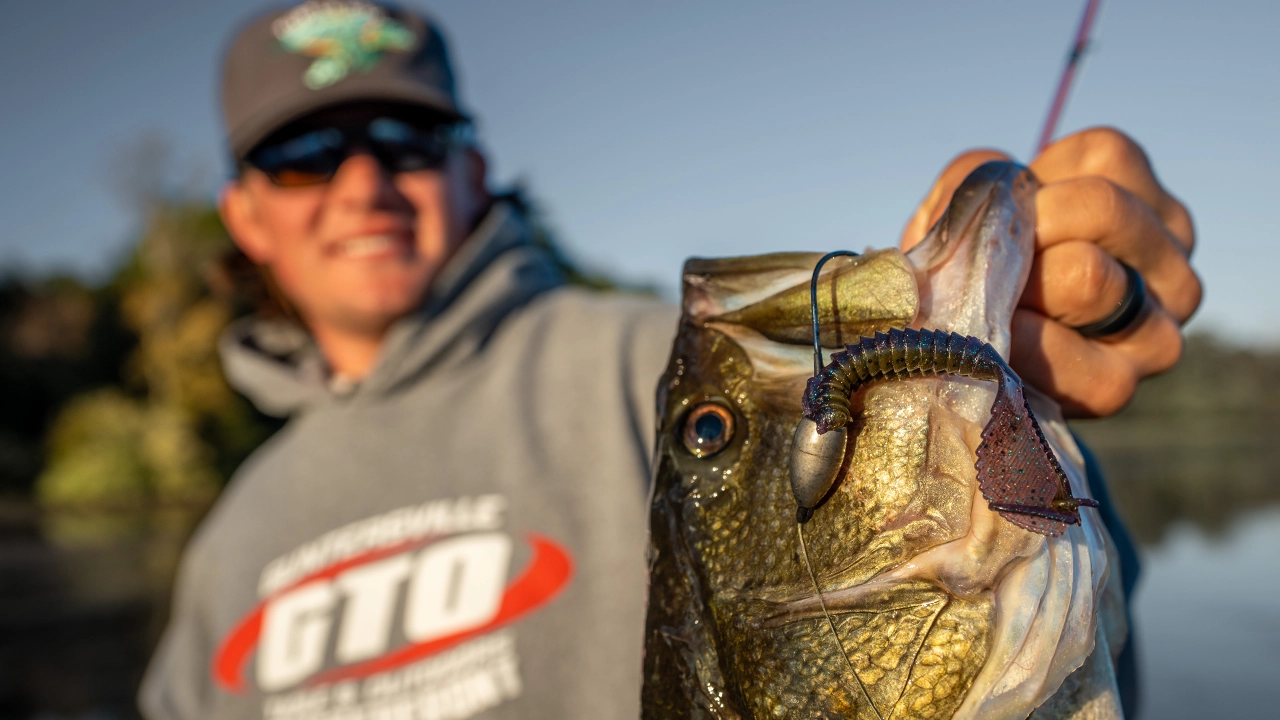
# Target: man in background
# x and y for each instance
(452, 523)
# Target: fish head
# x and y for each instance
(884, 604)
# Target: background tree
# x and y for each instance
(168, 429)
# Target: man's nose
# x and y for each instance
(362, 182)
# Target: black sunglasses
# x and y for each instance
(313, 157)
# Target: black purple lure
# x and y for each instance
(1017, 471)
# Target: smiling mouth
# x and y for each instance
(373, 247)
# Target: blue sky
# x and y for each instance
(652, 130)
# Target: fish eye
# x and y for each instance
(707, 429)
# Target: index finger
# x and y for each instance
(1110, 154)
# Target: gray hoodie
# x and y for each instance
(460, 535)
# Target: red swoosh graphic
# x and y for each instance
(547, 573)
(243, 638)
(235, 649)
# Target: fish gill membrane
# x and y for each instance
(931, 605)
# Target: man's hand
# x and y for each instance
(1099, 202)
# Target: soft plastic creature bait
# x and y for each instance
(1017, 471)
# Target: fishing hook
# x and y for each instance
(813, 304)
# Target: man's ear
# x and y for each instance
(240, 217)
(478, 176)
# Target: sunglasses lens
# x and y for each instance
(307, 159)
(404, 148)
(314, 157)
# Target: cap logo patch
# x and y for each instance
(341, 35)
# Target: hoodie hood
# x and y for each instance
(497, 269)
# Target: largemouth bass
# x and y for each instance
(905, 594)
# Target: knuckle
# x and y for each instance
(1190, 297)
(1102, 200)
(1177, 292)
(1111, 196)
(1165, 349)
(1179, 221)
(1107, 148)
(1094, 279)
(1113, 391)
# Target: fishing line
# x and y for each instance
(804, 513)
(1078, 47)
(804, 552)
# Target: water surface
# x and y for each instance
(1208, 617)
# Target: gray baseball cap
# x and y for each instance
(290, 63)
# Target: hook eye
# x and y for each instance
(708, 428)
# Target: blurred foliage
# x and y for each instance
(58, 338)
(167, 428)
(1197, 443)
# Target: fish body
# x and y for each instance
(905, 595)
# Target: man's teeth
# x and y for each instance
(369, 245)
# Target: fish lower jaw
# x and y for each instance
(879, 595)
(924, 579)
